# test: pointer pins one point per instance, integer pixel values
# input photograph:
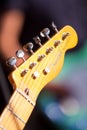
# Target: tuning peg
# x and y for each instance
(37, 40)
(28, 47)
(11, 62)
(54, 27)
(45, 33)
(20, 54)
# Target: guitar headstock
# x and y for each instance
(45, 64)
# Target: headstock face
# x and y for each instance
(46, 63)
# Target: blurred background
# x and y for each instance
(62, 104)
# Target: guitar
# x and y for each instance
(31, 77)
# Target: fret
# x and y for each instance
(18, 109)
(9, 121)
(15, 115)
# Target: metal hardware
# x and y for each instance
(11, 62)
(45, 33)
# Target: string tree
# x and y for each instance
(45, 33)
(37, 40)
(12, 62)
(29, 47)
(26, 91)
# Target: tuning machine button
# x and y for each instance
(11, 62)
(37, 40)
(20, 54)
(28, 47)
(45, 33)
(54, 27)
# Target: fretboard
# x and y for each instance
(17, 112)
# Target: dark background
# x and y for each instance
(40, 14)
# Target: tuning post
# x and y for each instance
(45, 33)
(37, 40)
(32, 64)
(28, 47)
(46, 71)
(20, 54)
(24, 72)
(56, 43)
(54, 27)
(40, 57)
(11, 62)
(48, 50)
(35, 75)
(65, 35)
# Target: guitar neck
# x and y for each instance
(17, 112)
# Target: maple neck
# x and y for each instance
(19, 110)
